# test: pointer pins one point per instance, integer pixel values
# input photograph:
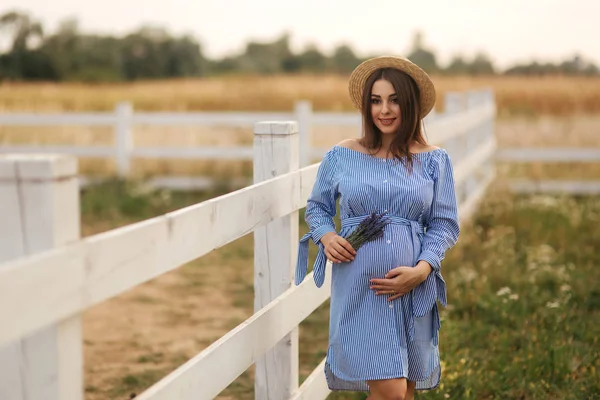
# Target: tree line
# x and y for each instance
(69, 54)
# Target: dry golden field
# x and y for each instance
(530, 96)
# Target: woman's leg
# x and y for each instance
(410, 390)
(387, 389)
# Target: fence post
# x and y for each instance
(454, 103)
(123, 138)
(40, 211)
(276, 152)
(303, 114)
(473, 139)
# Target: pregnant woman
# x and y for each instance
(384, 321)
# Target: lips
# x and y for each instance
(387, 121)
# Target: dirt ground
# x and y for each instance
(133, 340)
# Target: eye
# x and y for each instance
(394, 100)
(375, 101)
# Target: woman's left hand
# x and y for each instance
(401, 280)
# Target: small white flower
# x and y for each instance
(503, 291)
(514, 296)
(553, 304)
(565, 288)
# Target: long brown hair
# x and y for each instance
(409, 131)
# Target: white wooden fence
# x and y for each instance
(50, 275)
(124, 150)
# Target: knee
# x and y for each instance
(398, 395)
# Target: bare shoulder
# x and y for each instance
(350, 144)
(419, 148)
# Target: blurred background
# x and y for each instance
(523, 320)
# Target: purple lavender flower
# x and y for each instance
(369, 229)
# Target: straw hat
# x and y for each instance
(359, 77)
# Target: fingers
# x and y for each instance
(385, 291)
(343, 252)
(382, 287)
(346, 245)
(395, 296)
(335, 256)
(337, 251)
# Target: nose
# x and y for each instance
(384, 108)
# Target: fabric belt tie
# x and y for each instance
(422, 298)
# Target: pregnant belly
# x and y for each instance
(376, 258)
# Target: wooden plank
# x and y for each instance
(72, 278)
(468, 207)
(276, 152)
(91, 152)
(582, 187)
(469, 165)
(50, 365)
(123, 138)
(211, 371)
(315, 386)
(194, 182)
(234, 118)
(303, 113)
(12, 246)
(548, 155)
(212, 153)
(65, 119)
(337, 119)
(448, 127)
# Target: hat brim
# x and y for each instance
(361, 73)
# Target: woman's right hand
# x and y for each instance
(337, 249)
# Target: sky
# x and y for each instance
(508, 31)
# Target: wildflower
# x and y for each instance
(565, 288)
(553, 304)
(503, 291)
(514, 296)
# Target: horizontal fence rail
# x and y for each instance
(551, 155)
(441, 128)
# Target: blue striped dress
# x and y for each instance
(369, 337)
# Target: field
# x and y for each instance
(529, 96)
(524, 315)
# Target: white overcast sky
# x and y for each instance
(507, 30)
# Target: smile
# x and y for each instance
(387, 121)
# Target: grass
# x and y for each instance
(523, 320)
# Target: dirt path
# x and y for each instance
(133, 340)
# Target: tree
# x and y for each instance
(22, 31)
(344, 60)
(266, 57)
(421, 56)
(23, 28)
(481, 65)
(458, 66)
(312, 60)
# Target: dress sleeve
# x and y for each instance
(320, 210)
(442, 226)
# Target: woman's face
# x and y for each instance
(384, 107)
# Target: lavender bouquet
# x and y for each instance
(370, 228)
